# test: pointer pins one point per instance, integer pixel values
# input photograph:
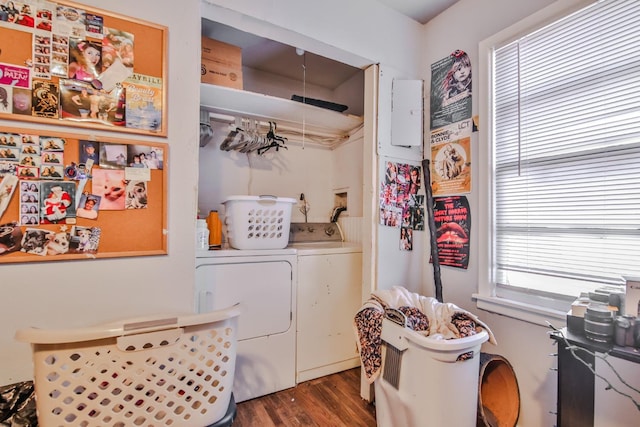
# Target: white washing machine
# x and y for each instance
(329, 295)
(264, 283)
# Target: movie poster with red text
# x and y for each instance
(453, 230)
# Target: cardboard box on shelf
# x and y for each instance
(221, 64)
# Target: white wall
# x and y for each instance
(347, 176)
(285, 173)
(526, 346)
(79, 293)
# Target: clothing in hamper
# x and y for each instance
(424, 314)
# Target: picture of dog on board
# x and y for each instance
(136, 195)
(58, 243)
(34, 241)
(84, 239)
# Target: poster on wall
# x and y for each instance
(451, 167)
(453, 229)
(452, 132)
(450, 98)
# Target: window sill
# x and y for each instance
(520, 311)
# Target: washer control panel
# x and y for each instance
(301, 232)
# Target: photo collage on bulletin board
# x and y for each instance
(64, 196)
(64, 64)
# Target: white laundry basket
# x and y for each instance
(427, 381)
(258, 222)
(153, 371)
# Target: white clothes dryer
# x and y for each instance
(264, 283)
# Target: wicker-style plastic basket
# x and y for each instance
(153, 371)
(258, 222)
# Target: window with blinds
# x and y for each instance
(566, 138)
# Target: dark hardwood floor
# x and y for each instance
(328, 401)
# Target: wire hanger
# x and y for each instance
(273, 140)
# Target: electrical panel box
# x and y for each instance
(407, 113)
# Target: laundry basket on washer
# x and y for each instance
(257, 222)
(159, 371)
(427, 381)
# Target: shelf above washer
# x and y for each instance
(224, 100)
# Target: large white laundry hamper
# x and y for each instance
(427, 381)
(172, 370)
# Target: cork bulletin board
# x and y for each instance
(67, 196)
(67, 64)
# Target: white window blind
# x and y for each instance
(567, 152)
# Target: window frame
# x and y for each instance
(538, 308)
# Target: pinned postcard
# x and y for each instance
(12, 75)
(137, 174)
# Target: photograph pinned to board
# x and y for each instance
(452, 216)
(143, 102)
(109, 185)
(10, 238)
(136, 195)
(144, 156)
(80, 101)
(113, 156)
(42, 57)
(52, 172)
(45, 99)
(117, 45)
(84, 239)
(6, 99)
(34, 241)
(85, 59)
(89, 150)
(29, 202)
(60, 55)
(451, 167)
(8, 185)
(450, 97)
(8, 168)
(51, 158)
(57, 201)
(21, 101)
(51, 143)
(68, 21)
(29, 159)
(88, 206)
